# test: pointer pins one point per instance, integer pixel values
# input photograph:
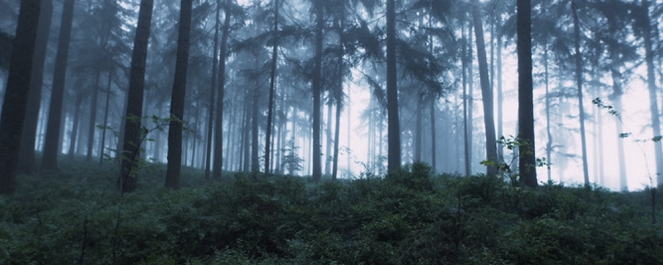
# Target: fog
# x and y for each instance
(438, 83)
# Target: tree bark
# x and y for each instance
(317, 89)
(17, 92)
(93, 116)
(393, 122)
(75, 131)
(177, 98)
(486, 92)
(102, 142)
(213, 88)
(527, 158)
(579, 81)
(51, 145)
(217, 167)
(132, 128)
(27, 162)
(272, 87)
(653, 91)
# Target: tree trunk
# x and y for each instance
(75, 128)
(486, 92)
(177, 99)
(17, 92)
(217, 167)
(653, 92)
(466, 141)
(93, 116)
(27, 162)
(579, 80)
(102, 142)
(134, 109)
(317, 88)
(393, 122)
(549, 143)
(433, 135)
(616, 96)
(419, 128)
(272, 87)
(527, 158)
(255, 156)
(213, 88)
(51, 146)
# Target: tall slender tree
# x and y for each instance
(51, 145)
(579, 82)
(317, 90)
(393, 121)
(218, 123)
(527, 160)
(16, 93)
(177, 99)
(486, 91)
(134, 108)
(212, 99)
(27, 161)
(272, 87)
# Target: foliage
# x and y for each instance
(408, 217)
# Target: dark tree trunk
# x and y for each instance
(102, 142)
(177, 98)
(17, 92)
(653, 91)
(486, 92)
(433, 134)
(579, 81)
(93, 116)
(393, 122)
(27, 162)
(75, 131)
(317, 88)
(213, 88)
(217, 166)
(466, 109)
(51, 145)
(328, 133)
(272, 88)
(255, 156)
(527, 159)
(419, 129)
(134, 109)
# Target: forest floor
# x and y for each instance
(78, 216)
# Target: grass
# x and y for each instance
(407, 217)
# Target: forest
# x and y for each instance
(330, 131)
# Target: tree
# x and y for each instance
(579, 82)
(132, 127)
(16, 93)
(272, 87)
(643, 25)
(317, 90)
(486, 91)
(213, 88)
(218, 123)
(393, 123)
(27, 162)
(51, 145)
(527, 159)
(177, 98)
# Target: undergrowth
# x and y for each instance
(407, 217)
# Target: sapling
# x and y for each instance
(657, 138)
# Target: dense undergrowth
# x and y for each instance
(410, 217)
